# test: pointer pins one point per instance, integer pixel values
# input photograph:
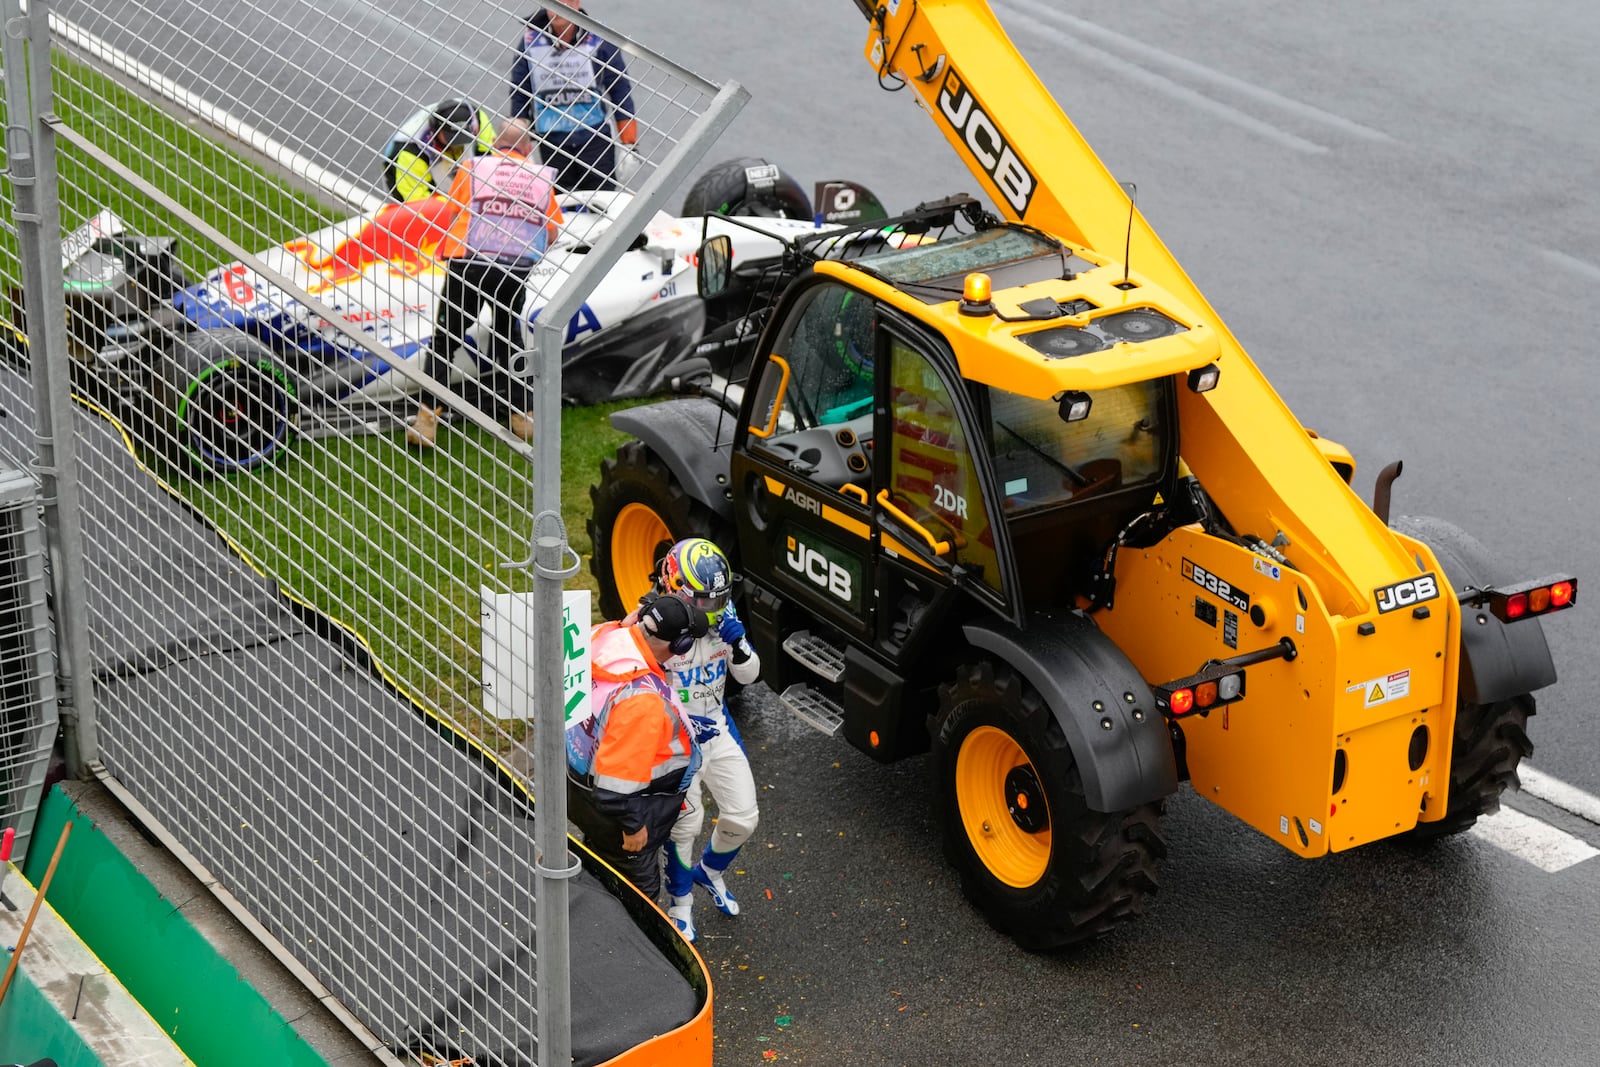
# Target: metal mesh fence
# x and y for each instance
(27, 664)
(302, 482)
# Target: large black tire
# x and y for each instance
(1039, 865)
(1491, 740)
(726, 189)
(232, 405)
(639, 510)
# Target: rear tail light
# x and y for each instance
(1529, 599)
(1213, 687)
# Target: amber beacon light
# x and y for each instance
(975, 294)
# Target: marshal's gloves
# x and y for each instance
(625, 165)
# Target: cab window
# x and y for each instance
(1040, 460)
(829, 346)
(933, 477)
(823, 429)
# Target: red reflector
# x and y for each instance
(1516, 605)
(1560, 594)
(1205, 694)
(1538, 600)
(1181, 702)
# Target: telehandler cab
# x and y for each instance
(994, 494)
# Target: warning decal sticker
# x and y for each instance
(1382, 690)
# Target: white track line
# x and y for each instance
(1529, 839)
(281, 154)
(1572, 263)
(1080, 30)
(1568, 798)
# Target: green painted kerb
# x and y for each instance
(32, 1029)
(195, 995)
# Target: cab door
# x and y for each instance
(933, 507)
(805, 469)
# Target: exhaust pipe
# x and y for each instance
(1380, 490)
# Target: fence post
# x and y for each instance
(550, 552)
(31, 153)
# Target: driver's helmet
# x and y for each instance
(453, 125)
(698, 572)
(853, 340)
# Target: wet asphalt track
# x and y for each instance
(1394, 207)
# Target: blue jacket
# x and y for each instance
(564, 90)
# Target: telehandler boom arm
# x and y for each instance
(1250, 453)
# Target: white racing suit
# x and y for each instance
(698, 680)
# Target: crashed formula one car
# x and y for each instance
(232, 368)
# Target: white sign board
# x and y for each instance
(508, 661)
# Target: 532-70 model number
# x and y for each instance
(1215, 586)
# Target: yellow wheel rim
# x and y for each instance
(636, 535)
(997, 818)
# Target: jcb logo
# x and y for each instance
(1406, 593)
(961, 109)
(819, 570)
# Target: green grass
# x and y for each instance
(392, 545)
(237, 198)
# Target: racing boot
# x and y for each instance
(709, 873)
(680, 892)
(522, 425)
(680, 877)
(424, 429)
(681, 912)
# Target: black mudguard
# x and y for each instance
(1075, 667)
(1498, 660)
(694, 437)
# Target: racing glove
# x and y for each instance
(731, 630)
(704, 728)
(628, 131)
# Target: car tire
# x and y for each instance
(639, 510)
(1009, 800)
(725, 189)
(231, 405)
(1491, 741)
